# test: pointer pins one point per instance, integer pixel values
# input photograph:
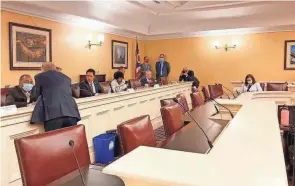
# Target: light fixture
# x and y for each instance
(100, 39)
(226, 46)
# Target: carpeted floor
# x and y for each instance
(160, 134)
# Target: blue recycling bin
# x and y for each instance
(104, 145)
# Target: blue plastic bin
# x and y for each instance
(104, 145)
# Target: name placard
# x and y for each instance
(11, 109)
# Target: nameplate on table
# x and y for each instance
(156, 86)
(130, 90)
(11, 109)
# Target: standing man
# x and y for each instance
(145, 67)
(90, 87)
(162, 68)
(55, 107)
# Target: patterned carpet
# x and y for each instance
(160, 134)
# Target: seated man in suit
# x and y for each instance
(189, 75)
(147, 79)
(23, 94)
(118, 84)
(90, 87)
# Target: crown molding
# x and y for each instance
(130, 34)
(107, 29)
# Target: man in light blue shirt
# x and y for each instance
(162, 68)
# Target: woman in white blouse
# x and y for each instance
(250, 85)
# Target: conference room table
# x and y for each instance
(248, 152)
(190, 138)
(92, 176)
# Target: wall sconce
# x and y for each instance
(100, 39)
(226, 46)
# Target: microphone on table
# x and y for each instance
(208, 140)
(231, 114)
(227, 89)
(71, 144)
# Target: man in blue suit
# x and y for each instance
(162, 68)
(55, 107)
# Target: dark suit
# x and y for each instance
(55, 105)
(190, 77)
(165, 69)
(18, 98)
(145, 81)
(86, 89)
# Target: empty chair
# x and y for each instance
(215, 91)
(75, 90)
(197, 99)
(262, 86)
(135, 83)
(182, 100)
(4, 92)
(205, 93)
(136, 132)
(277, 87)
(173, 119)
(106, 86)
(46, 157)
(167, 102)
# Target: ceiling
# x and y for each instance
(157, 19)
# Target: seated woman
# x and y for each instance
(118, 84)
(250, 85)
(23, 94)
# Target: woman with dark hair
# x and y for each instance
(250, 85)
(118, 84)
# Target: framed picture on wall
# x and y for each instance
(119, 54)
(289, 59)
(29, 46)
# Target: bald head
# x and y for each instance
(148, 74)
(48, 66)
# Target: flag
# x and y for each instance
(138, 64)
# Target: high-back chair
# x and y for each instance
(46, 157)
(135, 84)
(197, 99)
(182, 100)
(106, 86)
(136, 132)
(4, 92)
(277, 87)
(205, 93)
(173, 119)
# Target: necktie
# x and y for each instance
(161, 72)
(93, 88)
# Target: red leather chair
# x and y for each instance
(106, 86)
(46, 157)
(167, 102)
(215, 91)
(173, 119)
(75, 90)
(197, 99)
(277, 87)
(163, 81)
(262, 86)
(135, 84)
(136, 132)
(182, 100)
(205, 93)
(4, 92)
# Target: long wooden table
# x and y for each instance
(247, 153)
(99, 113)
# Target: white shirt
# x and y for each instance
(116, 87)
(254, 88)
